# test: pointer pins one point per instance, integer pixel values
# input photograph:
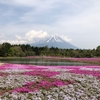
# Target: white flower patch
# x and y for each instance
(57, 69)
(86, 86)
(14, 71)
(12, 81)
(90, 69)
(68, 92)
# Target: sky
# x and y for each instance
(24, 21)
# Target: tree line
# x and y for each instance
(23, 50)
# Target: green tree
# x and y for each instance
(5, 49)
(18, 51)
(98, 51)
(12, 51)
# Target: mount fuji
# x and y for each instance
(54, 41)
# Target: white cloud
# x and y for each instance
(2, 41)
(66, 38)
(15, 41)
(30, 37)
(35, 34)
(18, 37)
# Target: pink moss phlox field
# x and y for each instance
(22, 89)
(44, 84)
(83, 70)
(41, 73)
(2, 74)
(12, 66)
(47, 81)
(77, 71)
(19, 66)
(39, 70)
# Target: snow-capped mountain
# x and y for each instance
(54, 41)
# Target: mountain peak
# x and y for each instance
(54, 41)
(54, 38)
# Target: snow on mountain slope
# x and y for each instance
(54, 41)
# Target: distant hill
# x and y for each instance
(54, 41)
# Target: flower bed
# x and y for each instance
(29, 82)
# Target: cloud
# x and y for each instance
(66, 38)
(35, 34)
(18, 37)
(14, 41)
(17, 40)
(30, 37)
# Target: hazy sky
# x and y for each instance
(77, 21)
